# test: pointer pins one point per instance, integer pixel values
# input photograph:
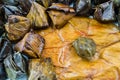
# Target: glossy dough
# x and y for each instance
(68, 65)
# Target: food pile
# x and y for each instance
(60, 39)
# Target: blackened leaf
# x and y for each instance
(85, 47)
(15, 67)
(118, 18)
(25, 5)
(10, 2)
(100, 1)
(116, 3)
(5, 48)
(32, 45)
(82, 7)
(41, 70)
(68, 2)
(105, 12)
(7, 10)
(17, 27)
(46, 3)
(38, 16)
(1, 30)
(60, 14)
(3, 75)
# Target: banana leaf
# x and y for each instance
(10, 2)
(82, 7)
(41, 70)
(46, 3)
(60, 14)
(5, 48)
(85, 47)
(32, 45)
(1, 30)
(3, 75)
(38, 16)
(17, 27)
(7, 10)
(15, 67)
(105, 12)
(25, 5)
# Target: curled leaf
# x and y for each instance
(41, 70)
(60, 14)
(46, 3)
(25, 5)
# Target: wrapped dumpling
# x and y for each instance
(60, 14)
(5, 48)
(46, 3)
(32, 45)
(38, 16)
(25, 5)
(15, 66)
(105, 12)
(17, 27)
(41, 70)
(3, 75)
(82, 7)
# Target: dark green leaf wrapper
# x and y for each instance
(15, 67)
(105, 12)
(41, 70)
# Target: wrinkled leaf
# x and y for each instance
(41, 70)
(105, 12)
(118, 18)
(32, 45)
(5, 48)
(60, 14)
(1, 30)
(82, 7)
(25, 5)
(46, 3)
(7, 10)
(15, 67)
(85, 47)
(17, 27)
(10, 2)
(38, 16)
(3, 75)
